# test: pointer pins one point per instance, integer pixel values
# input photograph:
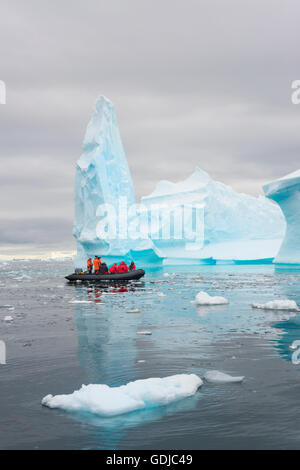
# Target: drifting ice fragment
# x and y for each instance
(216, 377)
(139, 395)
(278, 305)
(202, 298)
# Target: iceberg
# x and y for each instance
(236, 226)
(103, 186)
(194, 221)
(102, 400)
(286, 193)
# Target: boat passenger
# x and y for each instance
(132, 267)
(96, 264)
(103, 269)
(90, 265)
(122, 268)
(113, 269)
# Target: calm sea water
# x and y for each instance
(54, 346)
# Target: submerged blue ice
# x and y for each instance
(217, 223)
(286, 192)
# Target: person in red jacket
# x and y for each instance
(132, 267)
(113, 269)
(122, 268)
(90, 265)
(96, 263)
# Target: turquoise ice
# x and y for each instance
(286, 192)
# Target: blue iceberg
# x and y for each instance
(103, 181)
(197, 220)
(286, 193)
(236, 226)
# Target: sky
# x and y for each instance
(202, 83)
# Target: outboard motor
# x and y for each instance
(78, 270)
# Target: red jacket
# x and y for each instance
(113, 269)
(122, 268)
(132, 267)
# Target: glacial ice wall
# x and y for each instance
(286, 193)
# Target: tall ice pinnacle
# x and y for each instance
(102, 177)
(286, 192)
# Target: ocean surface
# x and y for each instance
(63, 335)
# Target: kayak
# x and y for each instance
(129, 276)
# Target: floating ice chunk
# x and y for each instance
(134, 310)
(278, 305)
(161, 294)
(202, 298)
(8, 318)
(103, 400)
(146, 332)
(216, 377)
(166, 275)
(8, 307)
(80, 301)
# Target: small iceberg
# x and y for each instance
(80, 301)
(202, 298)
(278, 305)
(144, 332)
(217, 377)
(102, 400)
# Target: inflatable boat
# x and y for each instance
(129, 276)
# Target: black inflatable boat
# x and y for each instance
(131, 275)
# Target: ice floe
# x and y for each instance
(80, 301)
(278, 305)
(217, 377)
(103, 400)
(202, 298)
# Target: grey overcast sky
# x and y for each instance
(195, 83)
